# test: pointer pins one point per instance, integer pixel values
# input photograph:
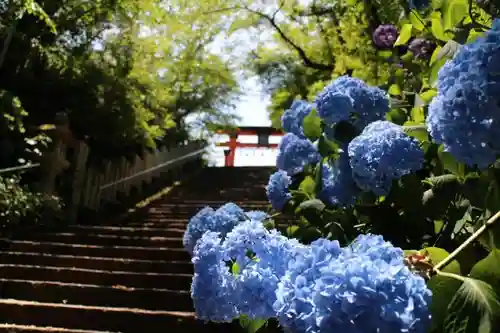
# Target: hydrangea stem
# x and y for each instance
(469, 240)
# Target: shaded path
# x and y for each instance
(130, 276)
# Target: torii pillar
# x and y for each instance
(262, 133)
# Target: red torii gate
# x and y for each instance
(262, 133)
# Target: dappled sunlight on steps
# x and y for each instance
(129, 275)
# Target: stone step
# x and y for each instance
(213, 203)
(173, 206)
(120, 240)
(13, 328)
(127, 231)
(183, 224)
(97, 318)
(90, 294)
(131, 252)
(97, 277)
(97, 263)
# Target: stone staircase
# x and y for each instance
(130, 275)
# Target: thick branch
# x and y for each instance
(302, 54)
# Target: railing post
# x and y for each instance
(51, 165)
(80, 160)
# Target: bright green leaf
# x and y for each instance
(437, 30)
(314, 204)
(435, 70)
(443, 288)
(404, 35)
(448, 50)
(488, 270)
(235, 268)
(312, 125)
(449, 162)
(251, 325)
(473, 34)
(326, 147)
(308, 186)
(437, 4)
(435, 55)
(455, 12)
(437, 255)
(418, 115)
(416, 20)
(475, 308)
(428, 95)
(384, 54)
(418, 132)
(291, 230)
(394, 90)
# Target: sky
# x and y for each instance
(251, 108)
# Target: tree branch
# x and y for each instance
(271, 20)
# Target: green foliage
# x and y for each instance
(19, 204)
(312, 126)
(474, 308)
(436, 209)
(443, 288)
(251, 326)
(135, 90)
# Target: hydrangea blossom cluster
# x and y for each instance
(293, 118)
(350, 99)
(364, 287)
(385, 35)
(295, 153)
(383, 152)
(369, 162)
(221, 295)
(315, 288)
(339, 188)
(277, 189)
(422, 48)
(221, 220)
(465, 115)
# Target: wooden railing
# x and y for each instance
(91, 186)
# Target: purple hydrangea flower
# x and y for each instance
(385, 36)
(422, 48)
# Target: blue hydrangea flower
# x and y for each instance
(293, 118)
(350, 99)
(339, 188)
(221, 220)
(277, 189)
(261, 257)
(260, 273)
(383, 152)
(330, 289)
(257, 215)
(295, 153)
(465, 114)
(212, 289)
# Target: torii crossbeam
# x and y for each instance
(262, 133)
